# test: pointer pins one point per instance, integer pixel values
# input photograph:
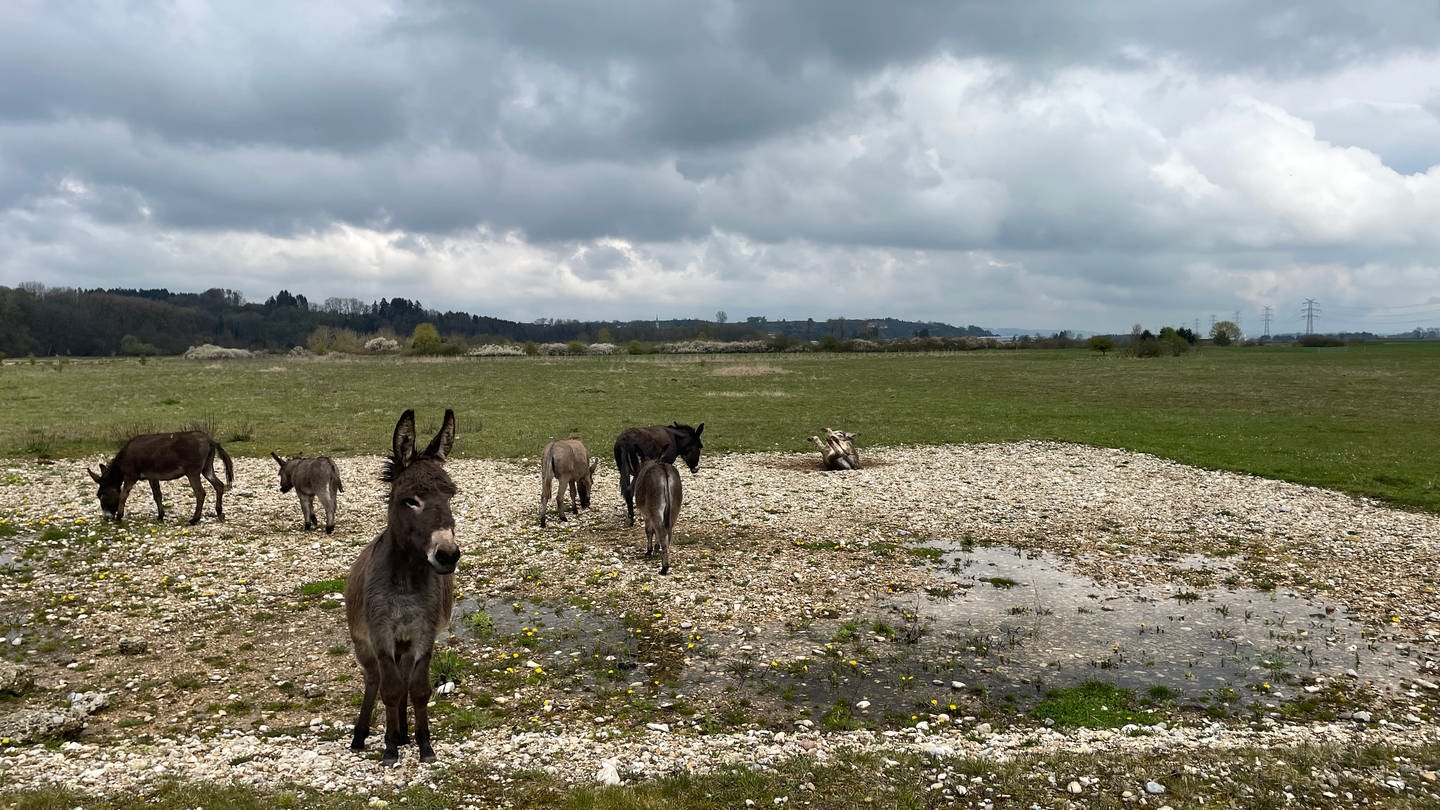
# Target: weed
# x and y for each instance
(322, 587)
(1093, 704)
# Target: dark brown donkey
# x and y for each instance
(658, 496)
(660, 442)
(401, 589)
(157, 457)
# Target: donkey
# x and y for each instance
(837, 450)
(658, 494)
(401, 588)
(312, 477)
(157, 457)
(571, 465)
(660, 442)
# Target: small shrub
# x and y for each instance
(209, 351)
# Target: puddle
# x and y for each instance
(1018, 624)
(555, 635)
(1022, 616)
(1012, 626)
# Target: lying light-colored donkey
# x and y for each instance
(311, 478)
(568, 463)
(837, 450)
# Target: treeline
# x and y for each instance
(42, 321)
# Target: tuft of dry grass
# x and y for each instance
(749, 370)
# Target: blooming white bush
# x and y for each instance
(209, 351)
(714, 347)
(553, 348)
(601, 348)
(496, 350)
(382, 345)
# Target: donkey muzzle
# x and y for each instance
(443, 553)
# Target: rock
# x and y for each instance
(36, 725)
(1154, 788)
(15, 679)
(1075, 787)
(133, 645)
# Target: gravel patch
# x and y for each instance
(224, 656)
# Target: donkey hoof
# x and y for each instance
(665, 571)
(357, 745)
(330, 528)
(427, 754)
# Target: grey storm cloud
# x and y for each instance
(1107, 161)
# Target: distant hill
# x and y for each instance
(868, 328)
(40, 320)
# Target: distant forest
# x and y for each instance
(43, 321)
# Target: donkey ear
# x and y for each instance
(402, 446)
(699, 430)
(440, 445)
(92, 473)
(278, 460)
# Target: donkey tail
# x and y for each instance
(225, 457)
(627, 462)
(667, 501)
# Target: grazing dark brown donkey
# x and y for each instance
(401, 589)
(567, 462)
(311, 478)
(157, 457)
(661, 442)
(658, 495)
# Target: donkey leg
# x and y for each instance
(199, 497)
(420, 699)
(219, 490)
(327, 500)
(367, 709)
(307, 509)
(544, 499)
(627, 490)
(664, 533)
(392, 692)
(159, 504)
(574, 498)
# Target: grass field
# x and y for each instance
(1359, 419)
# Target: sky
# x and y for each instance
(1040, 165)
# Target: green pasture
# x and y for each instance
(1361, 419)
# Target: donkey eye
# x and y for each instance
(413, 503)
